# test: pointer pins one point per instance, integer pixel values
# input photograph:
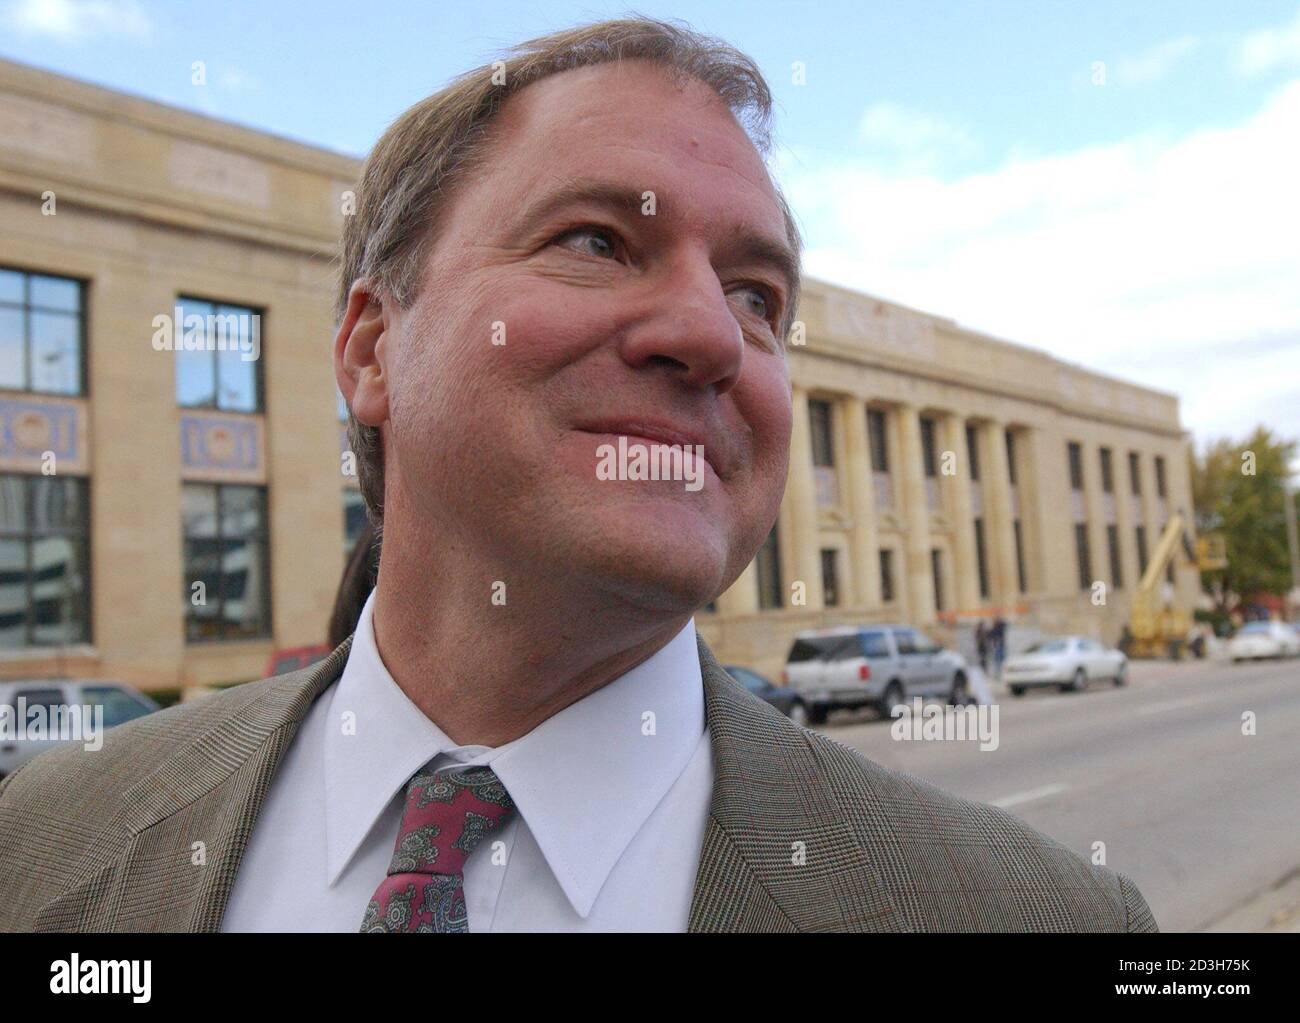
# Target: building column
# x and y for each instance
(799, 551)
(999, 516)
(863, 541)
(919, 585)
(965, 589)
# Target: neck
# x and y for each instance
(487, 665)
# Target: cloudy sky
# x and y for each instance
(1115, 182)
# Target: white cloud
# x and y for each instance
(1260, 52)
(1154, 64)
(1151, 258)
(911, 139)
(76, 20)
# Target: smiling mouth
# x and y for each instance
(626, 439)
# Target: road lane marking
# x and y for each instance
(1028, 797)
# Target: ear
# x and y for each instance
(360, 356)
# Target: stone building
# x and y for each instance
(165, 512)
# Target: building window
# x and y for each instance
(1076, 466)
(830, 577)
(973, 452)
(981, 558)
(823, 445)
(1021, 580)
(1161, 488)
(886, 575)
(879, 439)
(1134, 473)
(227, 582)
(1116, 568)
(224, 373)
(929, 456)
(1011, 457)
(770, 590)
(1083, 554)
(44, 561)
(1141, 536)
(354, 519)
(1107, 472)
(936, 571)
(42, 333)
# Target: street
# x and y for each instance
(1204, 819)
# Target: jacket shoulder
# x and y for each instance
(63, 808)
(954, 864)
(130, 751)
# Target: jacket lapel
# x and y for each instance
(778, 853)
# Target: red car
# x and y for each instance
(284, 661)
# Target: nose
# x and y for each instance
(689, 329)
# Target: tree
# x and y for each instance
(1237, 489)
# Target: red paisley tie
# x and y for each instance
(446, 816)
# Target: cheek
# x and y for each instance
(766, 407)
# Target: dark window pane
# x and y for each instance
(13, 593)
(823, 445)
(13, 350)
(928, 456)
(58, 590)
(56, 504)
(13, 505)
(879, 440)
(243, 597)
(56, 293)
(199, 510)
(241, 511)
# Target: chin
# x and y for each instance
(672, 562)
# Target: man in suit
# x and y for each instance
(524, 732)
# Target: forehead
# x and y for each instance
(633, 121)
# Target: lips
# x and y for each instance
(650, 431)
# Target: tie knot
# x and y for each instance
(447, 814)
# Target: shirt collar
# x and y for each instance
(585, 780)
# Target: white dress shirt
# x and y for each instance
(612, 797)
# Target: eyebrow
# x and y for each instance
(750, 245)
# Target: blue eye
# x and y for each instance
(605, 247)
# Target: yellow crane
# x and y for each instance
(1157, 625)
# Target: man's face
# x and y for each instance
(660, 327)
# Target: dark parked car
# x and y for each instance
(779, 697)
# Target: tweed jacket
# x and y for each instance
(804, 834)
